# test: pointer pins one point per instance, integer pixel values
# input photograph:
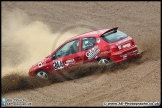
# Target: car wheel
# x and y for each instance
(42, 74)
(105, 61)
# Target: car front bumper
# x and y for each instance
(31, 71)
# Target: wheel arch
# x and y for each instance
(103, 57)
(40, 70)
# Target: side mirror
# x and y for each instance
(47, 56)
(53, 57)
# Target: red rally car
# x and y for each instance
(101, 46)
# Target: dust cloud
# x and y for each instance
(25, 42)
(14, 82)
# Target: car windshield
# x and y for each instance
(114, 36)
(69, 48)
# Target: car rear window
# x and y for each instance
(113, 36)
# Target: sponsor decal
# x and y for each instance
(96, 57)
(104, 52)
(40, 64)
(129, 53)
(72, 61)
(92, 53)
(58, 64)
(126, 45)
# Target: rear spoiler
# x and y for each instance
(113, 30)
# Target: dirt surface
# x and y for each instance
(31, 31)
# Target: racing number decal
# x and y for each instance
(92, 53)
(58, 65)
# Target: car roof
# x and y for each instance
(95, 33)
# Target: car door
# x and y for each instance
(89, 49)
(67, 55)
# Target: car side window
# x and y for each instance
(67, 49)
(88, 43)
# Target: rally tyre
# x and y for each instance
(104, 61)
(42, 74)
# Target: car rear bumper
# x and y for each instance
(125, 54)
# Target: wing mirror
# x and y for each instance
(47, 56)
(53, 57)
